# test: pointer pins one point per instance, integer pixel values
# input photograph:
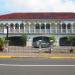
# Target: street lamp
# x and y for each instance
(7, 32)
(6, 39)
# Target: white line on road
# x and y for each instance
(14, 65)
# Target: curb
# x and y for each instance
(61, 57)
(5, 56)
(49, 57)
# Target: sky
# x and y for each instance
(14, 6)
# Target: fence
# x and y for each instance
(30, 49)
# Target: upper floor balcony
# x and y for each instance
(41, 31)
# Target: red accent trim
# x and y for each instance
(56, 15)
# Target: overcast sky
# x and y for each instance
(12, 6)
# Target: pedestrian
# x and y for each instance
(71, 50)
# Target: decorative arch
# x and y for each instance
(69, 26)
(63, 26)
(22, 26)
(1, 26)
(63, 41)
(42, 26)
(37, 26)
(47, 26)
(11, 26)
(16, 26)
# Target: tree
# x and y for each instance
(2, 42)
(70, 40)
(24, 39)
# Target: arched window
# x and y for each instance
(21, 26)
(68, 26)
(37, 26)
(1, 26)
(63, 26)
(6, 25)
(16, 26)
(11, 26)
(47, 26)
(42, 26)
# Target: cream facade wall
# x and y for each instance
(57, 28)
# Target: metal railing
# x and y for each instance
(53, 31)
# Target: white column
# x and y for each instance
(14, 28)
(24, 27)
(72, 28)
(29, 26)
(50, 27)
(66, 28)
(34, 27)
(61, 27)
(40, 27)
(19, 27)
(45, 27)
(56, 27)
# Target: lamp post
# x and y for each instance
(7, 37)
(7, 32)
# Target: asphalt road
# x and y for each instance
(37, 66)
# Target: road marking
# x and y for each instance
(12, 65)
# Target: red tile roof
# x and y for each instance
(54, 15)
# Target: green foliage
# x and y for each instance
(70, 40)
(1, 42)
(24, 39)
(52, 39)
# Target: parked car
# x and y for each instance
(44, 44)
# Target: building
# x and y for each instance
(35, 25)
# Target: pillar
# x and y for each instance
(45, 27)
(72, 28)
(66, 28)
(19, 28)
(24, 27)
(61, 27)
(34, 27)
(14, 28)
(40, 27)
(29, 26)
(55, 27)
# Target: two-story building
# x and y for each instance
(58, 24)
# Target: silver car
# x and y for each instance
(43, 44)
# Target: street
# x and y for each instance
(37, 66)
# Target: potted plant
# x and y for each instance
(1, 44)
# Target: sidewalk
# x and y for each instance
(38, 55)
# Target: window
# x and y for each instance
(16, 26)
(68, 26)
(42, 26)
(21, 26)
(47, 26)
(37, 26)
(63, 26)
